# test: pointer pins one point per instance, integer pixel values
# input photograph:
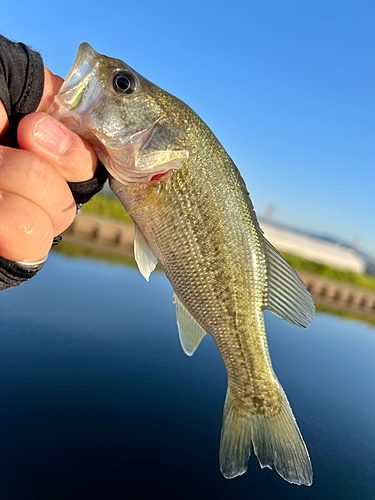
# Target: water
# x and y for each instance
(99, 401)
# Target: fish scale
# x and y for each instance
(217, 298)
(193, 214)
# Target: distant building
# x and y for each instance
(322, 251)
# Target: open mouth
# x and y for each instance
(78, 81)
(85, 62)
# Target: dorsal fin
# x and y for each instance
(144, 256)
(287, 295)
(191, 333)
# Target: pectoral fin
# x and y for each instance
(143, 254)
(150, 201)
(287, 295)
(191, 333)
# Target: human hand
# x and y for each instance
(36, 203)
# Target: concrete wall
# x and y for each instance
(338, 295)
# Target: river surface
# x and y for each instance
(98, 400)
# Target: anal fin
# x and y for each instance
(190, 332)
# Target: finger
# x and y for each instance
(27, 175)
(52, 84)
(4, 122)
(26, 231)
(71, 155)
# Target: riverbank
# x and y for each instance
(103, 238)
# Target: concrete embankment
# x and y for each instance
(116, 238)
(102, 234)
(338, 295)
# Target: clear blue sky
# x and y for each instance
(287, 86)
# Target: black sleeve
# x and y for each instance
(13, 274)
(84, 191)
(21, 79)
(21, 90)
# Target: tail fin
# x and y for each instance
(276, 439)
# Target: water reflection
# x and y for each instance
(99, 400)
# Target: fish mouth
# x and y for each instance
(70, 104)
(86, 61)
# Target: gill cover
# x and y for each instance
(132, 134)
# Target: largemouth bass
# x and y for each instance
(193, 214)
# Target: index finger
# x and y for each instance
(52, 84)
(71, 155)
(4, 122)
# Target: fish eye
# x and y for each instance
(124, 83)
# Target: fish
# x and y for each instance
(193, 215)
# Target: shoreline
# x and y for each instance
(100, 237)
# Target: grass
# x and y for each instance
(360, 280)
(107, 207)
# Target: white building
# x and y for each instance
(315, 249)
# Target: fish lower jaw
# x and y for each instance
(132, 178)
(70, 120)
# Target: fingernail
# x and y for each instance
(51, 135)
